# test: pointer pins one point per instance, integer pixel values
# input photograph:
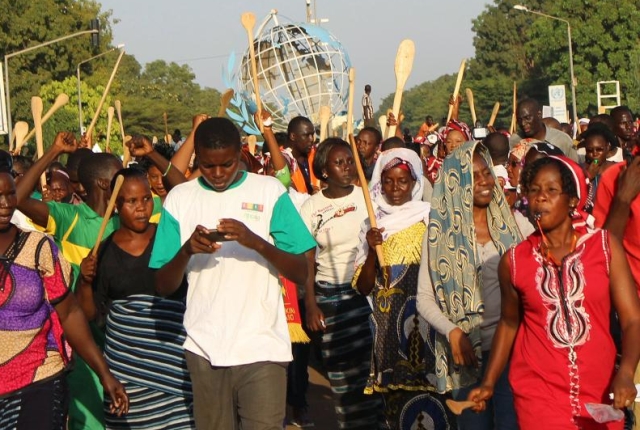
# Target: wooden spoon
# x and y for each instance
(403, 65)
(458, 407)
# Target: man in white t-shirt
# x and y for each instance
(237, 344)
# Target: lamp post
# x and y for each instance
(80, 119)
(573, 78)
(23, 51)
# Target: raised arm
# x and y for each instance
(503, 338)
(367, 277)
(84, 287)
(38, 211)
(140, 146)
(182, 157)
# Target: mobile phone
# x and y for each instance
(215, 236)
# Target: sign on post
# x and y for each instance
(558, 102)
(3, 105)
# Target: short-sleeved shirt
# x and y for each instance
(75, 229)
(335, 224)
(607, 189)
(34, 278)
(235, 312)
(555, 137)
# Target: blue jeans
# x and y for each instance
(500, 413)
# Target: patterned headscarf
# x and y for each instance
(460, 126)
(581, 219)
(453, 264)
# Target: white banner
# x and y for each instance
(558, 102)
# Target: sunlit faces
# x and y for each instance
(340, 168)
(547, 198)
(155, 180)
(623, 127)
(135, 204)
(304, 137)
(219, 167)
(596, 148)
(514, 168)
(483, 182)
(397, 185)
(8, 200)
(367, 144)
(529, 120)
(454, 139)
(60, 187)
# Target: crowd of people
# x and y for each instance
(503, 271)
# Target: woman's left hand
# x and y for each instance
(119, 399)
(374, 237)
(624, 391)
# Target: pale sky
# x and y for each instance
(202, 33)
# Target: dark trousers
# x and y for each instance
(297, 372)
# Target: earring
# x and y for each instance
(572, 211)
(325, 176)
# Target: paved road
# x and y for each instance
(320, 403)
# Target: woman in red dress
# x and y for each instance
(558, 287)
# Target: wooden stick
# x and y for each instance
(125, 149)
(110, 112)
(325, 115)
(382, 122)
(352, 90)
(251, 142)
(36, 110)
(104, 95)
(403, 65)
(248, 22)
(108, 212)
(494, 114)
(456, 90)
(19, 132)
(367, 195)
(513, 127)
(225, 98)
(472, 106)
(458, 407)
(60, 101)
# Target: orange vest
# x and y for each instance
(297, 178)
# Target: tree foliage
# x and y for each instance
(532, 51)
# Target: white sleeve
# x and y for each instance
(426, 299)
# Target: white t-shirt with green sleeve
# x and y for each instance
(235, 312)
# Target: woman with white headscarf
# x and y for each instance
(403, 359)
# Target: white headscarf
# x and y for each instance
(394, 218)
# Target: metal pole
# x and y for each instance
(573, 83)
(79, 101)
(8, 98)
(13, 54)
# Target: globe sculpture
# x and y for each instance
(300, 67)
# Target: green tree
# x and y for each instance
(605, 48)
(26, 23)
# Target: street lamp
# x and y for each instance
(80, 120)
(573, 78)
(23, 51)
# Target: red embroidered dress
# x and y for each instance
(563, 355)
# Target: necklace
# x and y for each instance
(544, 247)
(338, 204)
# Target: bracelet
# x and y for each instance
(167, 171)
(268, 122)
